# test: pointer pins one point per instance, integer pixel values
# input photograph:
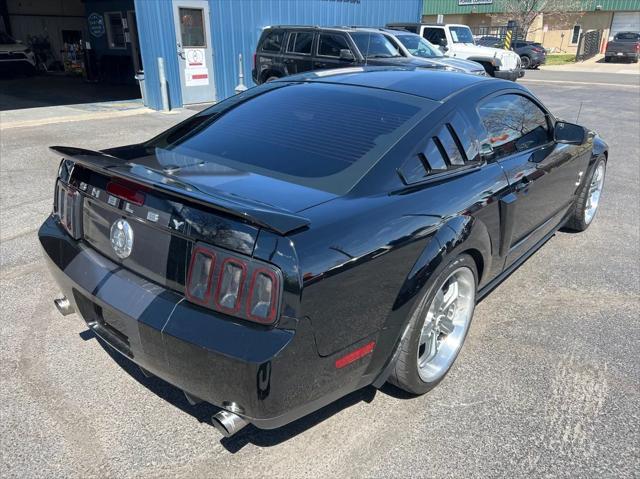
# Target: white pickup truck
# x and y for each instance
(457, 41)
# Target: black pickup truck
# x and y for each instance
(624, 45)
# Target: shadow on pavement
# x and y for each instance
(17, 92)
(250, 434)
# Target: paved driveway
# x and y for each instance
(547, 384)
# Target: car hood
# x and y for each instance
(13, 47)
(405, 62)
(459, 64)
(221, 180)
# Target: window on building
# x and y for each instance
(575, 34)
(115, 30)
(192, 28)
(300, 43)
(330, 45)
(273, 42)
(513, 123)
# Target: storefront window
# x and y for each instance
(115, 30)
(192, 28)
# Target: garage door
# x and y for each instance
(625, 22)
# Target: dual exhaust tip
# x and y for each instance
(227, 422)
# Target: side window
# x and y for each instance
(300, 43)
(513, 123)
(273, 41)
(331, 44)
(435, 36)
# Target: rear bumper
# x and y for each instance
(274, 375)
(511, 75)
(621, 54)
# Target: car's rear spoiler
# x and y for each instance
(265, 216)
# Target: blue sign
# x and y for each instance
(96, 24)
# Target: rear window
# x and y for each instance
(273, 41)
(627, 37)
(311, 134)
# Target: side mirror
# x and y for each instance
(346, 55)
(569, 133)
(486, 152)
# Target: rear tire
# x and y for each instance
(271, 78)
(525, 62)
(435, 335)
(586, 205)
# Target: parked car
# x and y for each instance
(413, 45)
(625, 45)
(287, 50)
(532, 54)
(315, 235)
(457, 41)
(15, 57)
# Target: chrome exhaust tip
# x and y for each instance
(63, 305)
(228, 423)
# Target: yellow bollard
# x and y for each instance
(507, 40)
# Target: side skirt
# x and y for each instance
(491, 285)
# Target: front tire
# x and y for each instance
(586, 205)
(437, 328)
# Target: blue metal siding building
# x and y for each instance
(235, 27)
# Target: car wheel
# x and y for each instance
(586, 206)
(437, 328)
(607, 59)
(525, 62)
(271, 78)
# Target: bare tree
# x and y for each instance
(524, 12)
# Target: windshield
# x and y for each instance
(461, 34)
(311, 134)
(374, 45)
(419, 47)
(6, 39)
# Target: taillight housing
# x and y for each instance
(238, 286)
(68, 208)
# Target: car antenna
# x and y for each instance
(579, 111)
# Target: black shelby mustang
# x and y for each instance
(316, 234)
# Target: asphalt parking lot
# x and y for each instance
(548, 383)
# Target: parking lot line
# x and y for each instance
(71, 118)
(564, 82)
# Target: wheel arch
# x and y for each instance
(462, 234)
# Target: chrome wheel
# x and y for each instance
(446, 324)
(595, 190)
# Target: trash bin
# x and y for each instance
(140, 78)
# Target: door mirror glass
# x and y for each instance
(564, 132)
(346, 55)
(486, 151)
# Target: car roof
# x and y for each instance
(430, 84)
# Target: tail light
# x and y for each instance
(68, 208)
(245, 288)
(638, 47)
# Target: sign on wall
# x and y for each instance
(96, 25)
(195, 67)
(475, 2)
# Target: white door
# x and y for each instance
(195, 54)
(625, 22)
